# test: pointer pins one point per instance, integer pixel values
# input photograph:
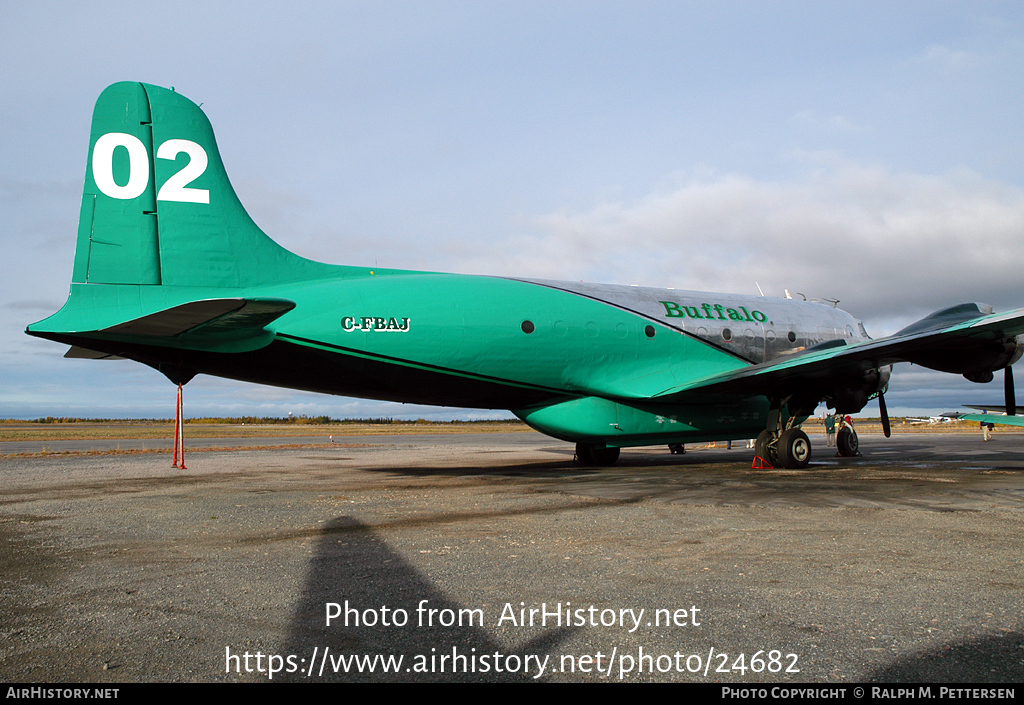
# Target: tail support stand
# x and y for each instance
(179, 436)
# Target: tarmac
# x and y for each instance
(493, 557)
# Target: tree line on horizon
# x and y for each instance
(256, 420)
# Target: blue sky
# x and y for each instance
(867, 152)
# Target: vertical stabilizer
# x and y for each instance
(158, 208)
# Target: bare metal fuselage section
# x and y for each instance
(754, 329)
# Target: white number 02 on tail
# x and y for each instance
(176, 188)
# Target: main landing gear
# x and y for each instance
(590, 454)
(791, 449)
(783, 444)
(794, 449)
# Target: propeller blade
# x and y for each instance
(1009, 393)
(885, 415)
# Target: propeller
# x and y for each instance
(1008, 391)
(884, 413)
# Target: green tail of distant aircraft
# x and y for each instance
(172, 272)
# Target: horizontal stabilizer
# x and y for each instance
(209, 316)
(995, 418)
(76, 352)
(996, 408)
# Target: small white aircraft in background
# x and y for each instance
(932, 420)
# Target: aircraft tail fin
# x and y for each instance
(158, 208)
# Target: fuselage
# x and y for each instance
(576, 360)
(496, 342)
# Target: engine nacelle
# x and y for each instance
(853, 394)
(976, 357)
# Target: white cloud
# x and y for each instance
(889, 245)
(945, 60)
(832, 122)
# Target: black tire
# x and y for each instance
(847, 442)
(764, 450)
(590, 455)
(583, 454)
(794, 449)
(677, 448)
(605, 456)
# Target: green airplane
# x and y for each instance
(172, 272)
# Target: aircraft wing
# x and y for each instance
(942, 341)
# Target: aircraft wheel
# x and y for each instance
(605, 456)
(794, 449)
(583, 454)
(677, 448)
(764, 449)
(590, 454)
(847, 442)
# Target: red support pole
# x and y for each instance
(177, 427)
(181, 430)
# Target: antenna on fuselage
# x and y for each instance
(759, 288)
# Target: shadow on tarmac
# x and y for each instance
(351, 564)
(990, 659)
